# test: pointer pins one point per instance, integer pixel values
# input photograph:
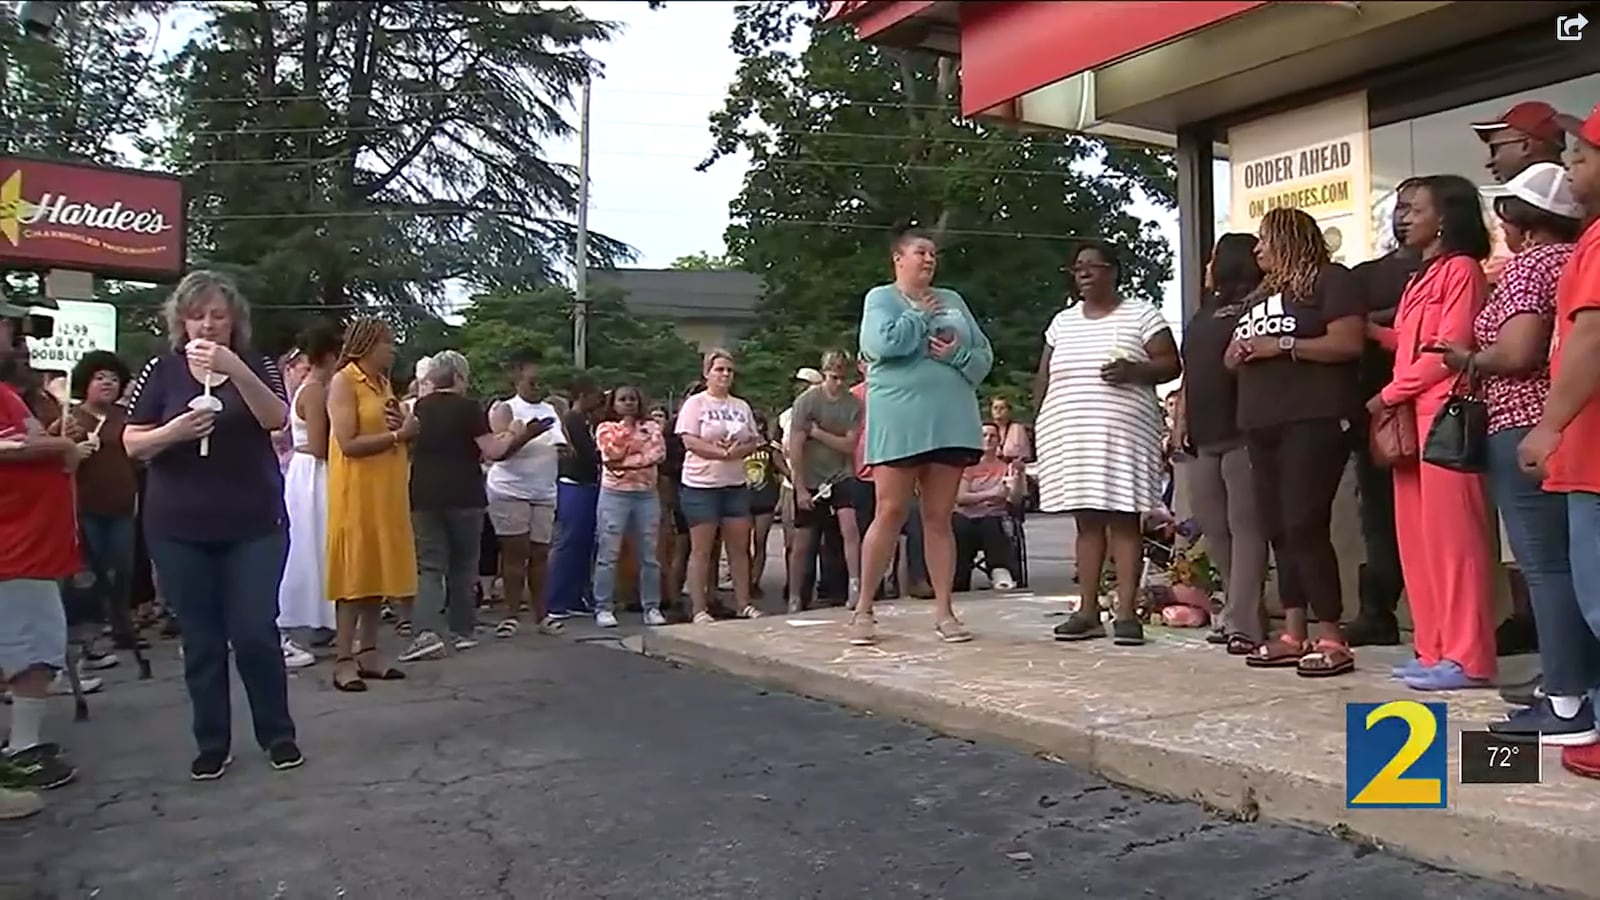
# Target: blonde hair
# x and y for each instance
(360, 337)
(712, 357)
(1299, 253)
(835, 359)
(200, 287)
(445, 369)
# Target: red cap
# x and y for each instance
(1586, 130)
(1534, 119)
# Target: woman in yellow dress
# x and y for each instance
(371, 553)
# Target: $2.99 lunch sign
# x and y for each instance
(108, 221)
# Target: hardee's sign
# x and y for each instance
(114, 222)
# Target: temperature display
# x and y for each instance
(1488, 758)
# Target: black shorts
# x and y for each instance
(764, 502)
(843, 496)
(955, 457)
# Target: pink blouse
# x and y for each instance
(638, 445)
(1527, 284)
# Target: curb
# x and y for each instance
(1506, 851)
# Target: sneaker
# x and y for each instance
(286, 755)
(464, 643)
(426, 645)
(15, 804)
(1552, 730)
(654, 617)
(863, 630)
(295, 656)
(62, 685)
(605, 619)
(1082, 625)
(96, 661)
(209, 766)
(1127, 633)
(1523, 693)
(1446, 676)
(1582, 761)
(559, 615)
(39, 768)
(1001, 580)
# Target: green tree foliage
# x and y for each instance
(624, 347)
(345, 156)
(847, 140)
(705, 262)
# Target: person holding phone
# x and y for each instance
(1441, 516)
(1206, 432)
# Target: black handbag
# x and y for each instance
(1458, 439)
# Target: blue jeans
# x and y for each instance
(1543, 542)
(227, 594)
(620, 514)
(1583, 530)
(108, 545)
(572, 549)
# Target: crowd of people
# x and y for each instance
(273, 503)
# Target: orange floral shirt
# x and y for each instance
(640, 444)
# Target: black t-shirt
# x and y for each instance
(1210, 392)
(1283, 389)
(582, 465)
(446, 465)
(1382, 282)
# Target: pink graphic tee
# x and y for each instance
(725, 421)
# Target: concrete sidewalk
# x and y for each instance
(1176, 717)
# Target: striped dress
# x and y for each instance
(1098, 445)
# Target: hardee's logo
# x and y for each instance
(59, 217)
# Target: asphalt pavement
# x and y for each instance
(543, 768)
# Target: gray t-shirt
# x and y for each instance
(837, 415)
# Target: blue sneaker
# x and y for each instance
(1411, 669)
(1541, 722)
(1446, 676)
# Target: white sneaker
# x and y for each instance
(465, 643)
(62, 687)
(654, 617)
(1002, 580)
(296, 656)
(605, 619)
(102, 661)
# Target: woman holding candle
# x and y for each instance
(215, 520)
(371, 551)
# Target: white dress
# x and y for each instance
(1098, 445)
(302, 595)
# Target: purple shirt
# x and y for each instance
(235, 493)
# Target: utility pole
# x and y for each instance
(580, 312)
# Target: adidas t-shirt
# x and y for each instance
(1283, 389)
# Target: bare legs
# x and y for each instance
(894, 488)
(1118, 533)
(760, 531)
(702, 546)
(735, 538)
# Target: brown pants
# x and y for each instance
(1224, 495)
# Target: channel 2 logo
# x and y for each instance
(1570, 28)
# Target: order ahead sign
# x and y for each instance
(1314, 159)
(79, 328)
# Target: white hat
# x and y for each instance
(1545, 186)
(808, 375)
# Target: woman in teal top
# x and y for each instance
(925, 357)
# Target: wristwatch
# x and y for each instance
(1286, 343)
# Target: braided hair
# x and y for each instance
(360, 337)
(1299, 254)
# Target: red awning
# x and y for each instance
(1009, 49)
(873, 16)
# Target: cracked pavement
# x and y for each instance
(541, 768)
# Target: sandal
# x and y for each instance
(1240, 644)
(506, 628)
(951, 631)
(1282, 652)
(352, 685)
(389, 673)
(749, 612)
(1325, 659)
(704, 618)
(403, 628)
(1217, 636)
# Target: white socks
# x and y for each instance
(1566, 707)
(27, 719)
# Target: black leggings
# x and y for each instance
(1297, 468)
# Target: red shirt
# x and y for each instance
(38, 523)
(1575, 466)
(863, 471)
(1527, 286)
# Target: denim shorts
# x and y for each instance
(33, 626)
(705, 506)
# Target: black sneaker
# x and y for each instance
(1524, 693)
(1371, 629)
(1127, 633)
(286, 755)
(1081, 626)
(1540, 723)
(210, 765)
(40, 768)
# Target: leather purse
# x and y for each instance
(1458, 439)
(1393, 436)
